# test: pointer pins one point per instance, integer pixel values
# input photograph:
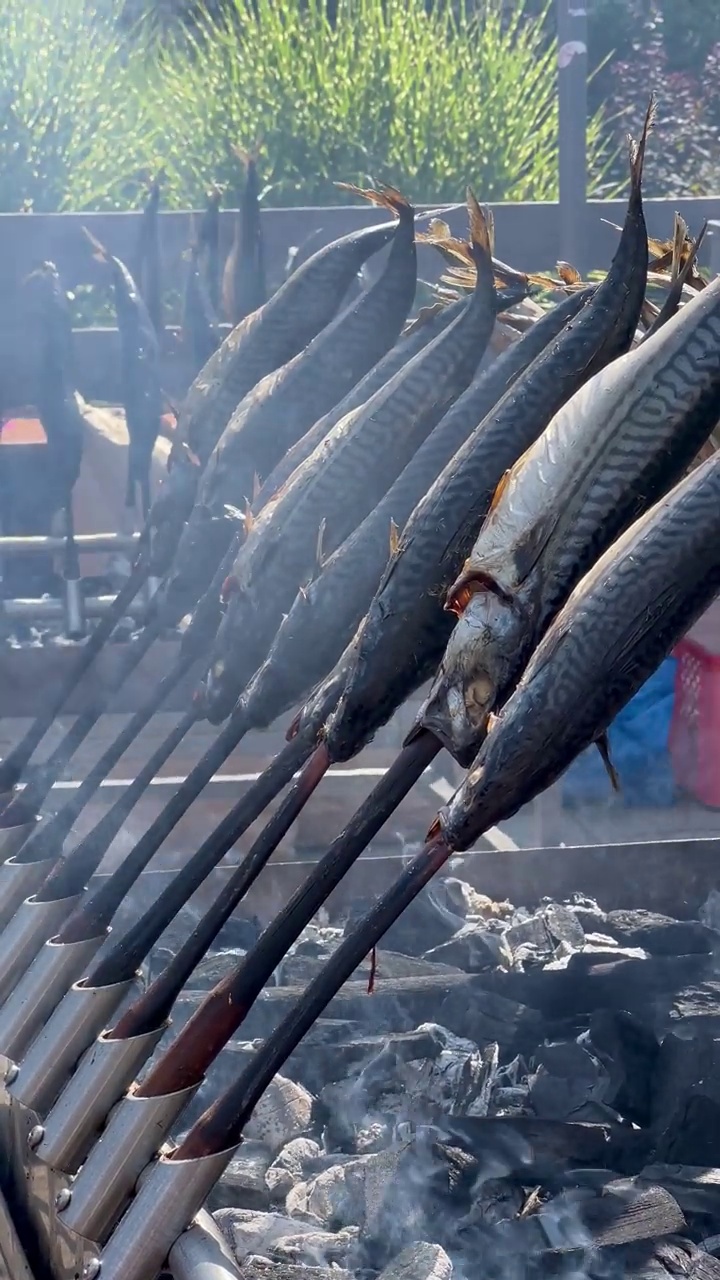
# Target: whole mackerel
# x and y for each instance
(613, 450)
(326, 613)
(286, 403)
(261, 343)
(415, 340)
(339, 484)
(402, 639)
(621, 620)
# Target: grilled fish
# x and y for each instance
(621, 620)
(261, 343)
(615, 447)
(286, 403)
(401, 640)
(340, 482)
(141, 389)
(326, 613)
(243, 287)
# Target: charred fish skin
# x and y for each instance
(273, 334)
(325, 615)
(614, 449)
(620, 622)
(261, 343)
(403, 351)
(405, 632)
(276, 414)
(208, 243)
(142, 393)
(340, 482)
(289, 400)
(244, 287)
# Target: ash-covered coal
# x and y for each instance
(537, 1088)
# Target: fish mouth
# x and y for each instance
(218, 694)
(458, 715)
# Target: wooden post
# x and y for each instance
(572, 129)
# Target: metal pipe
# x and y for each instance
(33, 924)
(201, 1253)
(82, 1109)
(84, 542)
(167, 1201)
(71, 1029)
(135, 1133)
(51, 610)
(74, 610)
(19, 880)
(40, 989)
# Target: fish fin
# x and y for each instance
(424, 315)
(499, 491)
(649, 313)
(229, 588)
(470, 582)
(434, 830)
(319, 557)
(480, 227)
(603, 747)
(637, 149)
(257, 486)
(248, 520)
(491, 720)
(394, 538)
(100, 253)
(568, 274)
(386, 197)
(681, 271)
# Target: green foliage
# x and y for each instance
(73, 119)
(426, 98)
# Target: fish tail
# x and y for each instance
(100, 253)
(481, 235)
(385, 197)
(679, 244)
(637, 149)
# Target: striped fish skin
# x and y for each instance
(287, 402)
(612, 451)
(402, 639)
(325, 615)
(403, 351)
(342, 480)
(618, 625)
(261, 343)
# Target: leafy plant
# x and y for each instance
(73, 115)
(425, 97)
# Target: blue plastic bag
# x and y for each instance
(638, 740)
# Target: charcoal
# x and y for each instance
(696, 1009)
(693, 1132)
(535, 1149)
(585, 985)
(660, 935)
(410, 1187)
(248, 1232)
(695, 1188)
(684, 1066)
(468, 902)
(310, 1245)
(336, 1061)
(472, 949)
(629, 1051)
(485, 1018)
(567, 1077)
(420, 1261)
(494, 1200)
(429, 920)
(243, 1183)
(335, 1198)
(289, 1166)
(256, 1268)
(284, 1111)
(531, 932)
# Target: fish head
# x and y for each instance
(477, 666)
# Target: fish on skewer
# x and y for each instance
(141, 387)
(261, 343)
(327, 611)
(340, 482)
(287, 402)
(415, 628)
(243, 285)
(622, 619)
(208, 241)
(147, 268)
(617, 446)
(199, 322)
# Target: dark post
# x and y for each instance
(572, 130)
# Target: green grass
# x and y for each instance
(426, 100)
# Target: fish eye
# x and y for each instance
(479, 698)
